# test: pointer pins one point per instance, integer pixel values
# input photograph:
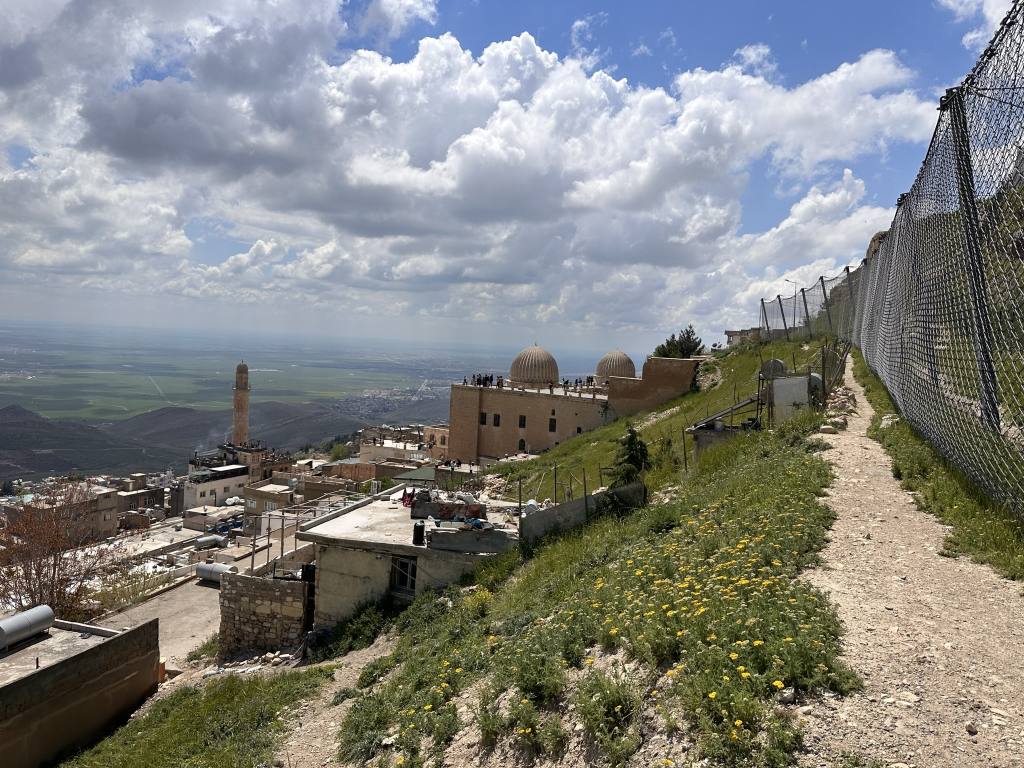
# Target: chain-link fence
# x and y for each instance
(937, 306)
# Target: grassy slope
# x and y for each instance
(981, 529)
(699, 593)
(231, 721)
(723, 553)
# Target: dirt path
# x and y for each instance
(313, 740)
(939, 642)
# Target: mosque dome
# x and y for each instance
(534, 366)
(615, 363)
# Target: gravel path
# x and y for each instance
(312, 740)
(939, 642)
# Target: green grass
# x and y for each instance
(700, 593)
(981, 529)
(209, 649)
(231, 721)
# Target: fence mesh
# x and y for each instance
(937, 306)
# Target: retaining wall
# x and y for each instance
(66, 706)
(572, 514)
(261, 614)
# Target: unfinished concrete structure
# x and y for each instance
(66, 687)
(533, 411)
(368, 553)
(240, 424)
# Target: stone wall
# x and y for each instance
(62, 708)
(663, 379)
(261, 614)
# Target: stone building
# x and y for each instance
(532, 411)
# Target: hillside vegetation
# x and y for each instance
(659, 637)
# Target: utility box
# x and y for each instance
(789, 395)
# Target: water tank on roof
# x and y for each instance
(214, 571)
(24, 625)
(773, 369)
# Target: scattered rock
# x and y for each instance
(787, 695)
(889, 420)
(828, 429)
(971, 728)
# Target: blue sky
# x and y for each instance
(582, 173)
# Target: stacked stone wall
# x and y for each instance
(261, 614)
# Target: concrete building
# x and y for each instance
(210, 518)
(732, 338)
(263, 499)
(90, 509)
(66, 687)
(140, 498)
(534, 411)
(240, 422)
(213, 486)
(368, 553)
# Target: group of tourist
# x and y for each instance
(485, 380)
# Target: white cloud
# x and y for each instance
(514, 187)
(581, 39)
(756, 59)
(393, 17)
(986, 13)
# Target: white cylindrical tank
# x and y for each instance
(24, 625)
(213, 571)
(211, 540)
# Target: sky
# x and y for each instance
(583, 175)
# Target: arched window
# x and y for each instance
(522, 445)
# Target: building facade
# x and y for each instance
(523, 414)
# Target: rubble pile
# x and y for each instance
(840, 404)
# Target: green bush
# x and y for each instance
(609, 708)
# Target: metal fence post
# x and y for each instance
(953, 101)
(807, 314)
(782, 312)
(853, 302)
(828, 309)
(764, 314)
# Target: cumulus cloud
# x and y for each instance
(393, 17)
(512, 187)
(985, 13)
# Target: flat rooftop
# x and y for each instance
(49, 648)
(273, 488)
(585, 394)
(383, 525)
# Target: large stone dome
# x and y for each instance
(534, 367)
(615, 363)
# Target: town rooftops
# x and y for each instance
(273, 488)
(383, 525)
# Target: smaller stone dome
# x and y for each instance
(615, 363)
(534, 367)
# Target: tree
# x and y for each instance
(686, 344)
(7, 488)
(631, 460)
(44, 558)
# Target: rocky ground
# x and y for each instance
(939, 642)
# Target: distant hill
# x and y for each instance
(280, 425)
(31, 444)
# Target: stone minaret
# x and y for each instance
(240, 434)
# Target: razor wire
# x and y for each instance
(937, 305)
